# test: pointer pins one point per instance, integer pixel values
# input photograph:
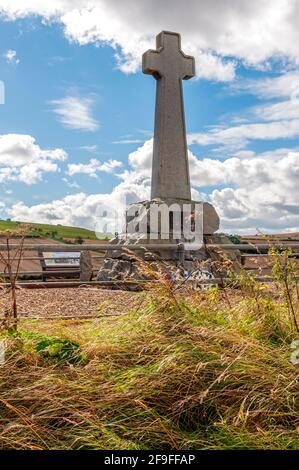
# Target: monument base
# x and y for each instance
(126, 264)
(142, 210)
(206, 263)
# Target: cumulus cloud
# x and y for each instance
(79, 209)
(218, 33)
(75, 113)
(21, 159)
(93, 167)
(260, 191)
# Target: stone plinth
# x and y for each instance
(129, 264)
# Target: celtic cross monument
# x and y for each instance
(170, 183)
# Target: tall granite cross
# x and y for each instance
(169, 65)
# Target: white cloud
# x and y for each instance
(281, 86)
(128, 141)
(277, 117)
(217, 33)
(21, 159)
(93, 167)
(78, 209)
(110, 166)
(260, 191)
(272, 120)
(11, 57)
(89, 148)
(71, 184)
(238, 136)
(251, 172)
(82, 209)
(75, 113)
(283, 110)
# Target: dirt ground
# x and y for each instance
(74, 302)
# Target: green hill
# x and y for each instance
(53, 231)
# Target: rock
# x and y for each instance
(211, 221)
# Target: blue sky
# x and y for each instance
(78, 117)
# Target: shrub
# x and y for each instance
(60, 350)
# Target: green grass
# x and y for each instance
(53, 231)
(202, 370)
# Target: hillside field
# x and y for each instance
(53, 231)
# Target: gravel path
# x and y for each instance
(74, 302)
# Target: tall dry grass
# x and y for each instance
(187, 370)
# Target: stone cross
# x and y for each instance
(169, 66)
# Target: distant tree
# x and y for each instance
(234, 238)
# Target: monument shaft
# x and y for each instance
(170, 162)
(170, 168)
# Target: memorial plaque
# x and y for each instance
(57, 259)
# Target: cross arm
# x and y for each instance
(151, 62)
(188, 66)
